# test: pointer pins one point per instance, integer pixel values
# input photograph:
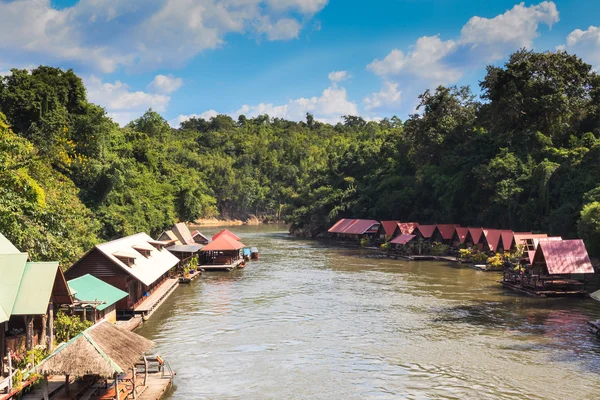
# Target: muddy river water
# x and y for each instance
(315, 320)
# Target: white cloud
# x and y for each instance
(389, 96)
(105, 35)
(165, 84)
(207, 115)
(121, 103)
(481, 40)
(338, 76)
(586, 44)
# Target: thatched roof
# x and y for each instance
(104, 349)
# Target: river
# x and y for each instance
(313, 320)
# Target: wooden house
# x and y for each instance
(386, 230)
(223, 253)
(425, 232)
(354, 228)
(226, 232)
(558, 268)
(491, 240)
(400, 242)
(460, 236)
(444, 233)
(404, 228)
(199, 238)
(94, 299)
(474, 238)
(507, 241)
(136, 264)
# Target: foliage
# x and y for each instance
(386, 246)
(479, 257)
(17, 379)
(439, 249)
(365, 242)
(589, 226)
(464, 254)
(68, 326)
(495, 261)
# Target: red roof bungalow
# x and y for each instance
(446, 232)
(474, 238)
(223, 253)
(507, 241)
(460, 235)
(406, 228)
(354, 228)
(558, 269)
(442, 233)
(425, 232)
(491, 239)
(386, 229)
(225, 232)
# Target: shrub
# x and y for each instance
(479, 257)
(386, 246)
(439, 249)
(496, 260)
(464, 254)
(68, 326)
(365, 242)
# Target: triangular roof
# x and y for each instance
(564, 257)
(507, 238)
(354, 226)
(425, 230)
(169, 237)
(11, 273)
(227, 233)
(407, 228)
(103, 349)
(90, 288)
(183, 233)
(520, 237)
(6, 247)
(446, 230)
(223, 243)
(476, 234)
(39, 281)
(402, 239)
(461, 233)
(197, 233)
(389, 226)
(492, 237)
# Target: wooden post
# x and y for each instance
(133, 380)
(45, 388)
(28, 332)
(10, 372)
(50, 326)
(43, 338)
(84, 317)
(145, 370)
(67, 379)
(117, 386)
(2, 347)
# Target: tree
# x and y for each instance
(589, 227)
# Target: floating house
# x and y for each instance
(180, 241)
(199, 238)
(401, 241)
(444, 233)
(386, 230)
(354, 228)
(460, 236)
(425, 232)
(223, 253)
(558, 268)
(491, 240)
(135, 264)
(30, 293)
(474, 238)
(95, 299)
(225, 232)
(406, 228)
(507, 241)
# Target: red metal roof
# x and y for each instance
(354, 226)
(447, 230)
(492, 236)
(507, 239)
(389, 226)
(402, 239)
(520, 237)
(407, 228)
(462, 233)
(476, 234)
(225, 232)
(426, 230)
(564, 257)
(223, 243)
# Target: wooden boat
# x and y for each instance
(254, 253)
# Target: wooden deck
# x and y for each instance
(152, 302)
(221, 267)
(156, 387)
(543, 293)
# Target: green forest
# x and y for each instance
(523, 154)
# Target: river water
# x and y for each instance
(313, 320)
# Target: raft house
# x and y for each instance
(354, 229)
(137, 265)
(224, 253)
(94, 299)
(558, 268)
(184, 247)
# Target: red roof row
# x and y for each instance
(354, 226)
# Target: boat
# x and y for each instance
(254, 253)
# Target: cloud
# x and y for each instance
(586, 44)
(165, 84)
(338, 76)
(388, 97)
(435, 61)
(207, 115)
(330, 106)
(121, 103)
(105, 35)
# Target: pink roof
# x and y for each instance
(462, 233)
(389, 226)
(402, 239)
(520, 237)
(507, 239)
(564, 257)
(407, 228)
(492, 236)
(224, 243)
(447, 230)
(426, 230)
(353, 226)
(227, 233)
(476, 234)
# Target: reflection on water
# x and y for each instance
(310, 320)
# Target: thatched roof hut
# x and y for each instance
(104, 350)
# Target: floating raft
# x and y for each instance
(222, 267)
(543, 293)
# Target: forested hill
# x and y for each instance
(525, 156)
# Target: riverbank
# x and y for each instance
(215, 222)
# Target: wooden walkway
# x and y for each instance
(152, 302)
(156, 386)
(221, 267)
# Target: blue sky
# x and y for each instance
(283, 57)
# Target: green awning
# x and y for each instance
(11, 272)
(36, 288)
(90, 288)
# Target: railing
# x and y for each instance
(164, 369)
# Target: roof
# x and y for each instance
(389, 226)
(507, 238)
(182, 232)
(225, 243)
(407, 227)
(145, 269)
(447, 230)
(461, 233)
(168, 236)
(492, 236)
(225, 232)
(521, 236)
(353, 226)
(6, 247)
(90, 288)
(36, 287)
(402, 239)
(254, 249)
(185, 248)
(11, 272)
(425, 230)
(197, 233)
(104, 349)
(476, 234)
(564, 257)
